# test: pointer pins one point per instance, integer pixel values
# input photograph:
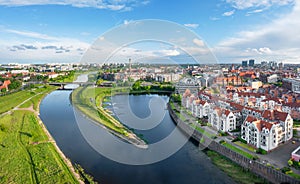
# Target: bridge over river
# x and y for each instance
(71, 85)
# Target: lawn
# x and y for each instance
(243, 145)
(10, 101)
(202, 131)
(237, 150)
(34, 101)
(180, 116)
(27, 156)
(236, 172)
(89, 101)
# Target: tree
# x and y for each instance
(14, 84)
(99, 82)
(136, 85)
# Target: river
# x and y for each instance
(188, 165)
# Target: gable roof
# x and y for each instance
(275, 115)
(260, 124)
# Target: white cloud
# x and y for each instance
(35, 46)
(278, 40)
(245, 4)
(198, 42)
(214, 18)
(191, 25)
(256, 11)
(100, 4)
(169, 53)
(229, 13)
(265, 50)
(260, 51)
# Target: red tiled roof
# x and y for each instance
(227, 112)
(255, 110)
(5, 84)
(221, 111)
(250, 119)
(218, 110)
(202, 102)
(260, 124)
(274, 115)
(257, 95)
(236, 106)
(292, 105)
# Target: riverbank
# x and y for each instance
(62, 155)
(89, 102)
(28, 152)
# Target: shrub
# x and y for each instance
(239, 139)
(285, 169)
(2, 128)
(290, 162)
(261, 151)
(222, 142)
(223, 133)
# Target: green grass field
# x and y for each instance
(27, 156)
(236, 172)
(237, 150)
(8, 102)
(202, 131)
(243, 145)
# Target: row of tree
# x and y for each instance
(139, 85)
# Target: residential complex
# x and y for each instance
(262, 112)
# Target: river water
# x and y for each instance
(188, 165)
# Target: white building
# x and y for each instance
(201, 108)
(261, 134)
(271, 104)
(268, 132)
(272, 78)
(222, 119)
(19, 72)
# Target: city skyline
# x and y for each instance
(234, 30)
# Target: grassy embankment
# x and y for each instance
(237, 150)
(89, 101)
(27, 154)
(236, 172)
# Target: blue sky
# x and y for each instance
(234, 30)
